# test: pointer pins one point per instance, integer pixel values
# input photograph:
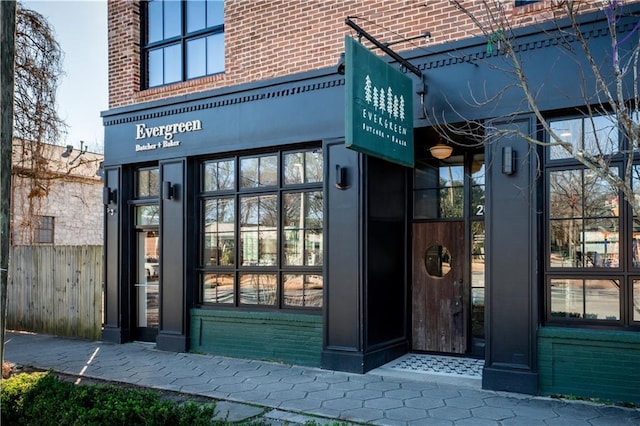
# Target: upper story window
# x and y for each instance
(182, 40)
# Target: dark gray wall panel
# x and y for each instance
(343, 295)
(112, 249)
(172, 298)
(115, 327)
(512, 256)
(266, 117)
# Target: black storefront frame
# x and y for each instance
(273, 118)
(475, 345)
(280, 188)
(624, 273)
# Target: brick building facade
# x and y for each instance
(240, 222)
(270, 39)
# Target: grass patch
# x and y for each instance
(570, 397)
(42, 399)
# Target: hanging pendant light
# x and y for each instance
(441, 151)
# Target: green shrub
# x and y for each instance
(42, 399)
(12, 392)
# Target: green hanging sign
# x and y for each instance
(379, 106)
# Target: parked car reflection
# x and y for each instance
(151, 267)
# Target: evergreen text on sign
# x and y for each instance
(379, 106)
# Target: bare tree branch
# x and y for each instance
(605, 86)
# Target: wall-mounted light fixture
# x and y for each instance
(109, 195)
(441, 151)
(508, 160)
(169, 191)
(341, 177)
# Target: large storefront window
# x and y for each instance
(584, 220)
(591, 237)
(262, 230)
(183, 40)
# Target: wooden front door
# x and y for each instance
(439, 305)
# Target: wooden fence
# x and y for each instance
(55, 290)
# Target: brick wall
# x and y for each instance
(589, 363)
(272, 336)
(271, 38)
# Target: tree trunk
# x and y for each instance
(7, 54)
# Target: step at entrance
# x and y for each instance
(438, 364)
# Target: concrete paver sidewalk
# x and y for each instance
(285, 394)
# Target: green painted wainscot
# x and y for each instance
(590, 363)
(270, 336)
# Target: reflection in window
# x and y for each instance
(586, 230)
(437, 261)
(477, 278)
(259, 230)
(303, 228)
(594, 135)
(439, 192)
(218, 288)
(148, 182)
(451, 194)
(303, 167)
(218, 175)
(202, 56)
(146, 284)
(258, 171)
(635, 244)
(148, 215)
(218, 247)
(478, 172)
(303, 290)
(584, 221)
(635, 239)
(202, 34)
(203, 14)
(163, 20)
(586, 299)
(265, 231)
(258, 289)
(636, 300)
(164, 65)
